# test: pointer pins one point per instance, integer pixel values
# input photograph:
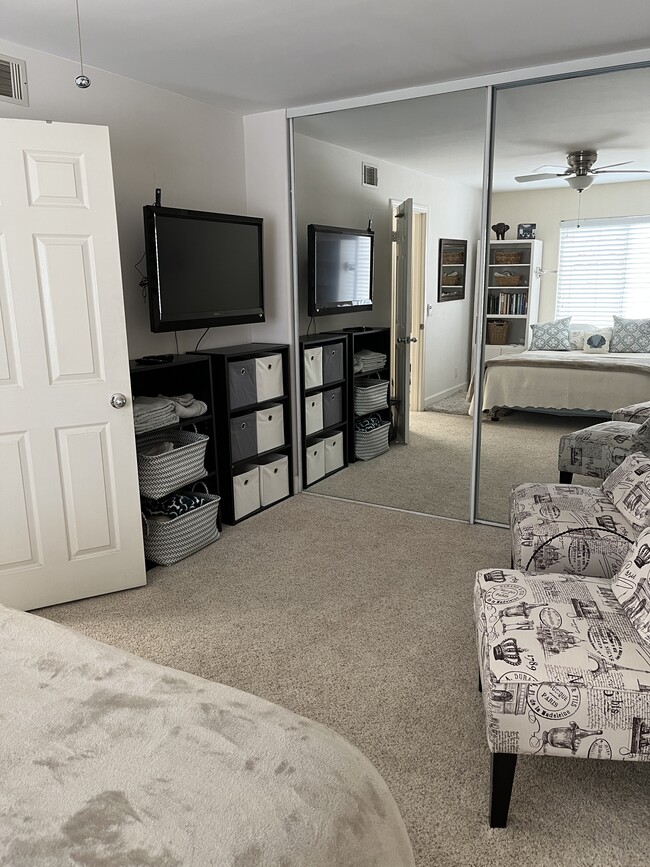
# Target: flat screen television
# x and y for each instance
(203, 269)
(340, 263)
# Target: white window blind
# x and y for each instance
(604, 269)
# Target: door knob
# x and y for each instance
(118, 400)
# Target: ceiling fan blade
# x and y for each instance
(525, 179)
(549, 166)
(622, 172)
(613, 165)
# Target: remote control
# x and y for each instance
(155, 359)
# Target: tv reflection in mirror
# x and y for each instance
(340, 266)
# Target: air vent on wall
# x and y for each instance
(13, 80)
(370, 175)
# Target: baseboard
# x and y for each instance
(434, 398)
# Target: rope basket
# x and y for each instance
(161, 474)
(497, 332)
(508, 279)
(167, 542)
(453, 257)
(370, 395)
(507, 257)
(450, 280)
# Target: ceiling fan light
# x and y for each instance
(580, 182)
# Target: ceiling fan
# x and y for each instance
(580, 173)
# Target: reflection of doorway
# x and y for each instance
(418, 299)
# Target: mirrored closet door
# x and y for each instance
(411, 172)
(570, 217)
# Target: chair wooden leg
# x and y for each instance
(502, 774)
(480, 685)
(566, 478)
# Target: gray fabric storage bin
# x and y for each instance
(242, 382)
(243, 436)
(332, 406)
(332, 362)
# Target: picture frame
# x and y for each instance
(526, 231)
(452, 269)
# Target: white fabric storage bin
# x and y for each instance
(333, 451)
(313, 413)
(274, 478)
(270, 428)
(268, 376)
(315, 461)
(313, 367)
(246, 492)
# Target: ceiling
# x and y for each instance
(253, 55)
(537, 125)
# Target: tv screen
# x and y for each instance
(340, 270)
(203, 269)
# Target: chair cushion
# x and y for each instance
(628, 488)
(631, 585)
(636, 412)
(597, 450)
(595, 538)
(564, 672)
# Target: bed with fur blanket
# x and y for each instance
(108, 759)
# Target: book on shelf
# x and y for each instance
(508, 304)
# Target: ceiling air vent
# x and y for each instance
(13, 80)
(369, 175)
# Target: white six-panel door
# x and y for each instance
(69, 506)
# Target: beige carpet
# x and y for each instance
(361, 618)
(432, 473)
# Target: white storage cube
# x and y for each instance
(313, 367)
(334, 452)
(270, 428)
(274, 479)
(246, 492)
(314, 413)
(315, 461)
(268, 377)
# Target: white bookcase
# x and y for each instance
(517, 303)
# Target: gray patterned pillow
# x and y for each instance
(551, 336)
(630, 335)
(631, 585)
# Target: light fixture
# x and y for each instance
(580, 182)
(81, 80)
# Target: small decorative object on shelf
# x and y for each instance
(526, 231)
(500, 230)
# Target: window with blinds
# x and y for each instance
(604, 269)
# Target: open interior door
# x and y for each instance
(403, 315)
(70, 521)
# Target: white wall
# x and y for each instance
(328, 190)
(549, 207)
(194, 152)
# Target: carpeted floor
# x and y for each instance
(454, 404)
(361, 618)
(432, 473)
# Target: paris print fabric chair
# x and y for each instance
(564, 664)
(595, 451)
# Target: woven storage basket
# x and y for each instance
(370, 444)
(167, 542)
(450, 280)
(453, 257)
(507, 257)
(497, 332)
(370, 395)
(508, 279)
(162, 474)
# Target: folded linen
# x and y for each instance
(148, 405)
(187, 406)
(157, 449)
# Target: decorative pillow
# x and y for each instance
(630, 335)
(577, 339)
(631, 585)
(628, 488)
(551, 336)
(598, 341)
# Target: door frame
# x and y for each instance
(418, 301)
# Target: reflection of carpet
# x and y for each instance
(453, 404)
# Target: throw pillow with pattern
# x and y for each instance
(551, 336)
(630, 335)
(631, 585)
(628, 488)
(598, 340)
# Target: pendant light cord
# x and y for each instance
(81, 58)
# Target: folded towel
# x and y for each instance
(183, 399)
(196, 408)
(147, 405)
